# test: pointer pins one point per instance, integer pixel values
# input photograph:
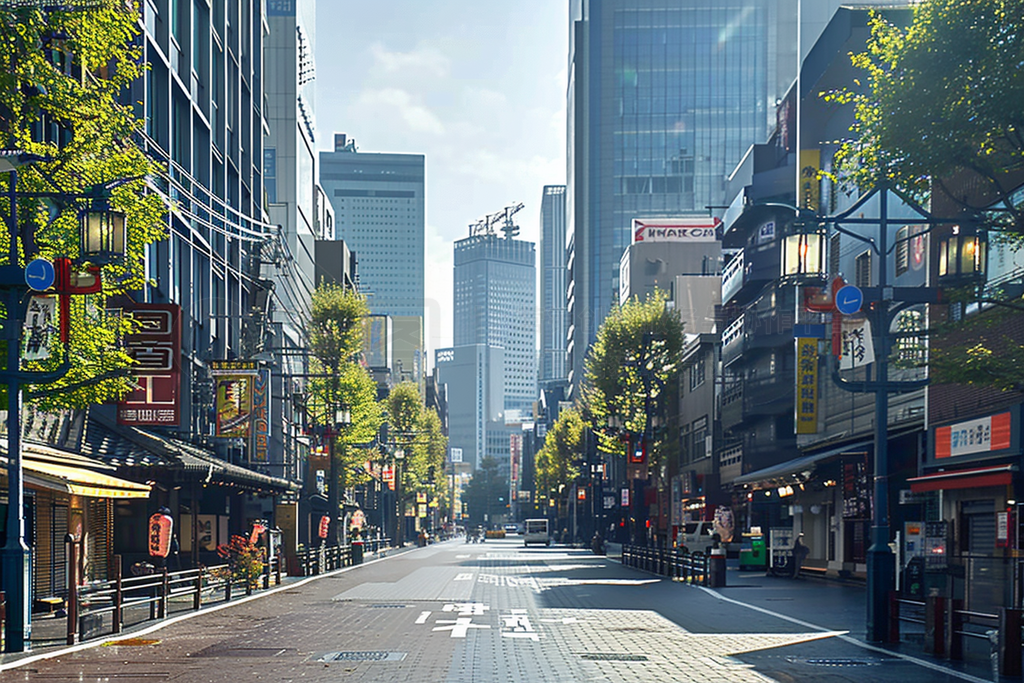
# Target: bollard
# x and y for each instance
(716, 568)
(1009, 642)
(117, 614)
(935, 625)
(954, 625)
(357, 552)
(894, 617)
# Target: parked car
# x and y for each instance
(697, 537)
(536, 531)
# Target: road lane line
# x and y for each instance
(853, 641)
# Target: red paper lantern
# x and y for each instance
(325, 526)
(160, 526)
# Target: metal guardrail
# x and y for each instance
(947, 626)
(314, 561)
(676, 563)
(161, 591)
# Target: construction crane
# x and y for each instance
(486, 225)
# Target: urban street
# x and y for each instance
(496, 611)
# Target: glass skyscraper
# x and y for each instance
(495, 305)
(552, 285)
(664, 97)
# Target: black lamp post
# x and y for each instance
(961, 254)
(16, 280)
(342, 419)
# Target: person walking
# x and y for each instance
(800, 552)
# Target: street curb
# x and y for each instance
(112, 639)
(851, 640)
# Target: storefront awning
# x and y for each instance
(979, 477)
(80, 482)
(791, 467)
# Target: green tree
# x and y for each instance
(417, 431)
(335, 334)
(941, 105)
(557, 462)
(62, 74)
(635, 357)
(486, 494)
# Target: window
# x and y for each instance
(863, 274)
(700, 438)
(697, 372)
(902, 250)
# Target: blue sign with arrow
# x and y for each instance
(849, 299)
(39, 275)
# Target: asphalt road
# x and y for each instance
(497, 611)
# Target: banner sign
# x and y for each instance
(857, 346)
(156, 350)
(234, 405)
(260, 416)
(701, 229)
(806, 385)
(40, 326)
(983, 435)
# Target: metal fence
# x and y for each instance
(675, 563)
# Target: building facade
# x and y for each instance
(378, 202)
(552, 286)
(495, 306)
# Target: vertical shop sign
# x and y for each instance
(261, 415)
(806, 385)
(156, 348)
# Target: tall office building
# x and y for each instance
(378, 202)
(552, 286)
(663, 98)
(495, 305)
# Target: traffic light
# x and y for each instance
(638, 452)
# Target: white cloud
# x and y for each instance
(424, 60)
(438, 292)
(387, 103)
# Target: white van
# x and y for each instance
(536, 531)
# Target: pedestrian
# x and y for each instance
(800, 552)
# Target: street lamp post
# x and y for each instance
(886, 304)
(341, 419)
(99, 222)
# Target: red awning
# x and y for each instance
(1001, 475)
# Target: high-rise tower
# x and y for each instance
(495, 305)
(552, 286)
(378, 202)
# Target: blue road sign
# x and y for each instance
(39, 274)
(849, 300)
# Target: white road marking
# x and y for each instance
(459, 627)
(422, 619)
(853, 641)
(465, 576)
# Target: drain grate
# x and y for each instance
(613, 657)
(840, 662)
(362, 656)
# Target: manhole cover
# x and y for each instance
(613, 657)
(386, 606)
(840, 662)
(130, 642)
(362, 656)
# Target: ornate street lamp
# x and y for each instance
(102, 233)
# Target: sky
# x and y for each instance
(476, 86)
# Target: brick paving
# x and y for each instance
(461, 612)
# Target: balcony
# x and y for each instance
(751, 399)
(771, 328)
(749, 271)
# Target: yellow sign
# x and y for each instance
(421, 497)
(422, 509)
(810, 185)
(806, 386)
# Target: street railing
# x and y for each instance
(314, 561)
(678, 564)
(103, 607)
(947, 626)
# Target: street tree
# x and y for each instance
(416, 430)
(63, 71)
(940, 109)
(938, 115)
(557, 463)
(634, 359)
(486, 494)
(335, 335)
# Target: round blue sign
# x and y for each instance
(39, 274)
(849, 299)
